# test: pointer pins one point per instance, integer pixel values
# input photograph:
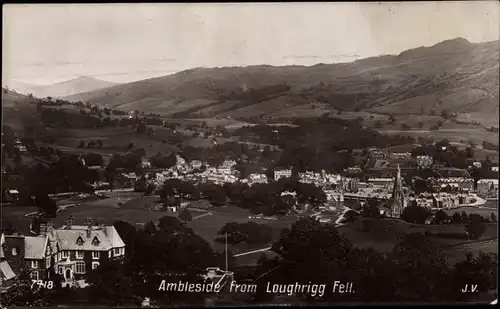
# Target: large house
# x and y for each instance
(282, 174)
(27, 252)
(70, 251)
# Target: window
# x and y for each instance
(79, 241)
(47, 262)
(95, 255)
(34, 275)
(95, 265)
(14, 251)
(96, 241)
(79, 254)
(65, 254)
(60, 269)
(80, 267)
(34, 264)
(116, 251)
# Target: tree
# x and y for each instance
(481, 271)
(415, 214)
(475, 229)
(370, 209)
(150, 227)
(250, 233)
(99, 143)
(93, 159)
(46, 205)
(22, 294)
(185, 215)
(420, 269)
(440, 217)
(420, 124)
(493, 217)
(81, 144)
(392, 119)
(109, 283)
(170, 224)
(141, 128)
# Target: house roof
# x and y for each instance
(34, 247)
(66, 239)
(6, 270)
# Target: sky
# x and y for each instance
(47, 43)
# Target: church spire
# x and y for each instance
(397, 195)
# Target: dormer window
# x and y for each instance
(79, 241)
(96, 241)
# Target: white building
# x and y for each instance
(256, 178)
(282, 174)
(196, 164)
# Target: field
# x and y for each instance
(208, 226)
(454, 135)
(457, 253)
(115, 140)
(384, 234)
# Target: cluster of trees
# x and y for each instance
(490, 146)
(250, 233)
(155, 253)
(131, 161)
(445, 153)
(237, 151)
(259, 198)
(319, 143)
(161, 161)
(93, 159)
(266, 199)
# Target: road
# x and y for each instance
(253, 251)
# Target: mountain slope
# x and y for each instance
(20, 87)
(69, 87)
(455, 75)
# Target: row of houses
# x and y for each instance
(442, 200)
(70, 251)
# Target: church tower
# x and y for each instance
(398, 199)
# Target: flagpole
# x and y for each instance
(226, 251)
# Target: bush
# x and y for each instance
(475, 229)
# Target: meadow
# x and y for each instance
(384, 233)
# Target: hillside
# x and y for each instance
(453, 75)
(18, 110)
(61, 89)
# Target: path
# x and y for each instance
(251, 252)
(203, 215)
(337, 222)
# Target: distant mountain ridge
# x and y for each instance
(453, 75)
(64, 88)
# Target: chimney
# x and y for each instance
(89, 228)
(69, 221)
(46, 226)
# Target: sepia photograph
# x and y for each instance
(160, 155)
